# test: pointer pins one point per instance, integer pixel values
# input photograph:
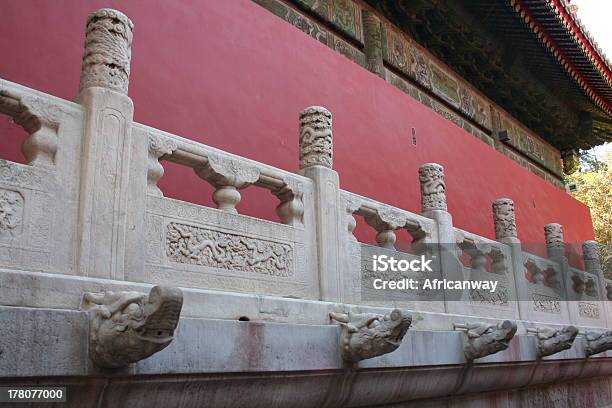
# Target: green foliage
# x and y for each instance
(594, 183)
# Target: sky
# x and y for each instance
(596, 16)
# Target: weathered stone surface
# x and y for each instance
(36, 342)
(370, 335)
(126, 327)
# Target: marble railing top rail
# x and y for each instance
(21, 92)
(226, 172)
(40, 115)
(197, 155)
(540, 262)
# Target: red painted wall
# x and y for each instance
(232, 75)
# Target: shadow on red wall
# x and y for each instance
(232, 75)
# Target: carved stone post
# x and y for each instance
(316, 159)
(373, 35)
(555, 247)
(433, 205)
(433, 188)
(592, 264)
(592, 260)
(108, 50)
(555, 244)
(114, 162)
(504, 220)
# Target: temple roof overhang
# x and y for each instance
(532, 57)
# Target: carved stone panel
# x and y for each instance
(11, 214)
(546, 304)
(206, 247)
(588, 310)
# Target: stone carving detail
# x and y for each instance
(598, 342)
(483, 339)
(504, 219)
(433, 188)
(498, 298)
(590, 249)
(11, 213)
(588, 310)
(367, 335)
(40, 118)
(291, 207)
(205, 247)
(126, 327)
(316, 147)
(554, 238)
(582, 283)
(108, 50)
(592, 259)
(20, 175)
(538, 272)
(546, 304)
(553, 341)
(352, 206)
(228, 175)
(158, 147)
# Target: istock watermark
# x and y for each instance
(383, 263)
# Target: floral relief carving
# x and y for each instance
(205, 247)
(11, 213)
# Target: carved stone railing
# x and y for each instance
(487, 260)
(88, 204)
(39, 200)
(541, 289)
(197, 246)
(357, 267)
